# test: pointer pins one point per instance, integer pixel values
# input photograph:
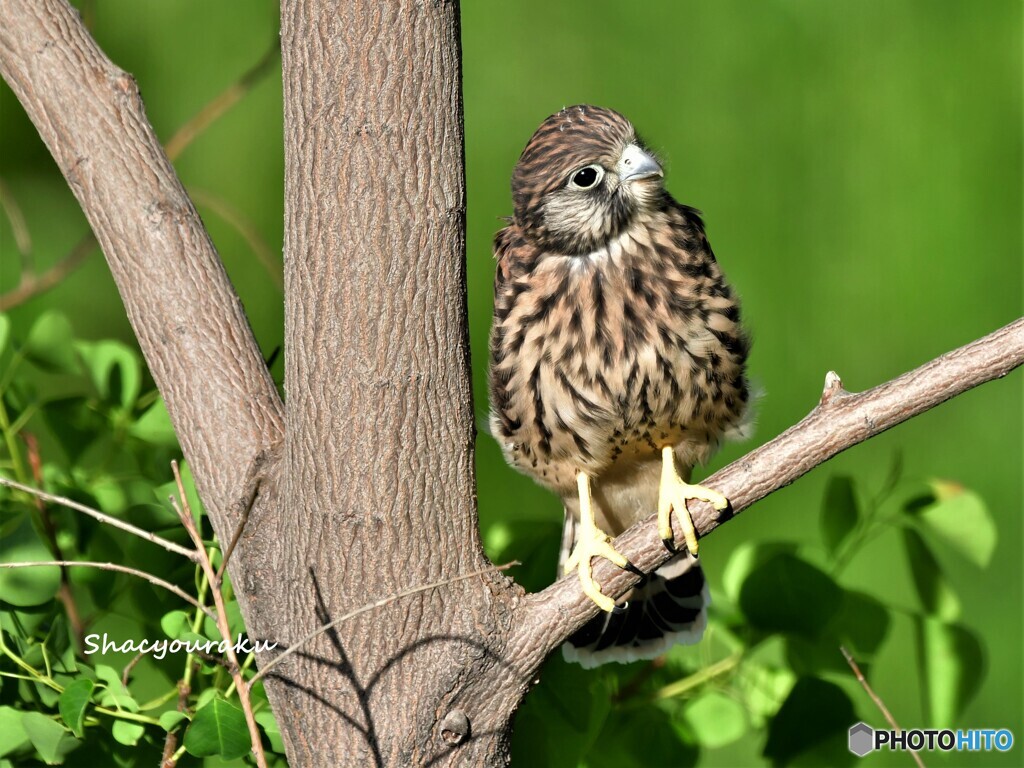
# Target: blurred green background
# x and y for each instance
(859, 166)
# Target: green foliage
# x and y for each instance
(83, 420)
(22, 544)
(789, 595)
(840, 516)
(218, 728)
(73, 703)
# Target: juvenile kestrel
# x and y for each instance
(616, 364)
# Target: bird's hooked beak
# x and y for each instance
(635, 164)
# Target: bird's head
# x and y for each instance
(582, 179)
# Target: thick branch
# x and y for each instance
(188, 320)
(840, 420)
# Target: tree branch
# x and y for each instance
(877, 700)
(117, 568)
(183, 309)
(167, 544)
(31, 283)
(840, 421)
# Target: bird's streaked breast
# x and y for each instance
(599, 360)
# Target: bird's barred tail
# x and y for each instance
(667, 607)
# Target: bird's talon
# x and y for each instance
(592, 542)
(673, 495)
(633, 569)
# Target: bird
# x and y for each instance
(617, 363)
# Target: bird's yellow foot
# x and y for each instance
(673, 495)
(592, 542)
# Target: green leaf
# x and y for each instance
(764, 686)
(170, 719)
(937, 597)
(49, 738)
(115, 694)
(811, 726)
(115, 370)
(235, 621)
(127, 733)
(218, 729)
(175, 624)
(635, 738)
(50, 344)
(716, 719)
(208, 695)
(266, 721)
(25, 587)
(960, 519)
(171, 489)
(952, 667)
(211, 630)
(13, 737)
(839, 513)
(745, 558)
(75, 423)
(73, 703)
(863, 623)
(109, 494)
(787, 594)
(560, 720)
(154, 426)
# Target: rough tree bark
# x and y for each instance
(379, 446)
(363, 484)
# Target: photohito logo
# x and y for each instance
(863, 739)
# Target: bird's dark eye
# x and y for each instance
(585, 178)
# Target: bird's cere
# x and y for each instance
(635, 164)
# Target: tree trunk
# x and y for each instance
(379, 449)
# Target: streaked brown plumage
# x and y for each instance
(615, 333)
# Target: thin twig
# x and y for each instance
(237, 535)
(699, 678)
(170, 546)
(169, 758)
(372, 606)
(155, 580)
(185, 513)
(65, 593)
(264, 255)
(129, 667)
(32, 284)
(222, 102)
(22, 238)
(878, 701)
